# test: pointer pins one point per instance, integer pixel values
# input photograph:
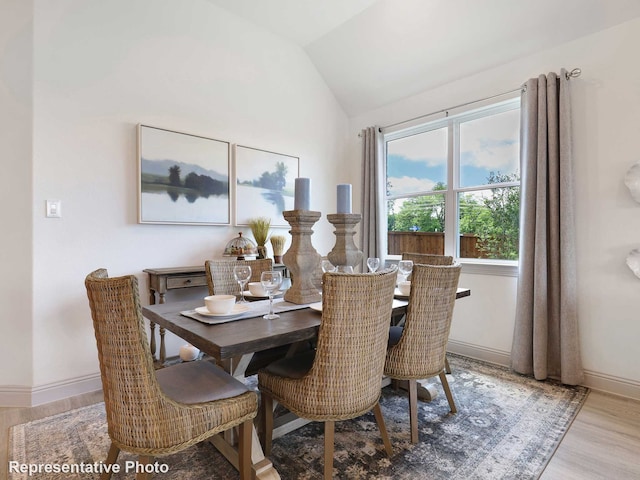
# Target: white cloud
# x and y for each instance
(502, 157)
(401, 185)
(429, 147)
(492, 142)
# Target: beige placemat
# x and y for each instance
(256, 309)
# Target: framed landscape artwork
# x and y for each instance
(264, 183)
(183, 178)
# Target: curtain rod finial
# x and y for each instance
(575, 73)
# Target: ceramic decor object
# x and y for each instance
(632, 181)
(633, 261)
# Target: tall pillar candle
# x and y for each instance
(344, 198)
(302, 198)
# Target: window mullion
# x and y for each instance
(451, 202)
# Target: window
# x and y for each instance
(453, 185)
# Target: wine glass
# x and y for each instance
(405, 267)
(327, 266)
(242, 274)
(373, 263)
(271, 282)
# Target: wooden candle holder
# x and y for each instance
(345, 251)
(301, 259)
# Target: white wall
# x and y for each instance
(100, 68)
(16, 63)
(606, 112)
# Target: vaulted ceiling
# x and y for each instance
(373, 52)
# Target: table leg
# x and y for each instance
(163, 350)
(152, 328)
(287, 422)
(152, 340)
(236, 367)
(262, 467)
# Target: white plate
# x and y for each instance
(237, 310)
(316, 306)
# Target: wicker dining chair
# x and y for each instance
(220, 277)
(418, 349)
(341, 379)
(221, 281)
(156, 413)
(430, 259)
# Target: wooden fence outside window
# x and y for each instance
(432, 242)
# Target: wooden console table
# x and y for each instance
(161, 280)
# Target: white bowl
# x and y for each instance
(220, 304)
(405, 288)
(256, 289)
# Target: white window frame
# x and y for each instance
(451, 243)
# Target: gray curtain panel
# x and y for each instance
(546, 342)
(372, 240)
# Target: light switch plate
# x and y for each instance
(54, 209)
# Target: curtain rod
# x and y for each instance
(572, 74)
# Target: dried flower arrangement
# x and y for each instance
(260, 229)
(277, 243)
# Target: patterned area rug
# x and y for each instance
(507, 427)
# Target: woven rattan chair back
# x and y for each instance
(420, 353)
(428, 258)
(123, 353)
(220, 277)
(344, 380)
(141, 418)
(356, 310)
(421, 350)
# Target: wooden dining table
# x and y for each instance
(233, 343)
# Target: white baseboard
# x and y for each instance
(15, 396)
(612, 384)
(21, 396)
(594, 380)
(485, 354)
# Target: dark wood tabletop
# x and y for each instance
(240, 337)
(247, 335)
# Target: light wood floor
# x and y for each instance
(602, 443)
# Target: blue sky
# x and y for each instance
(428, 173)
(488, 144)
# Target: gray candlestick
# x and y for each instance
(345, 251)
(301, 259)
